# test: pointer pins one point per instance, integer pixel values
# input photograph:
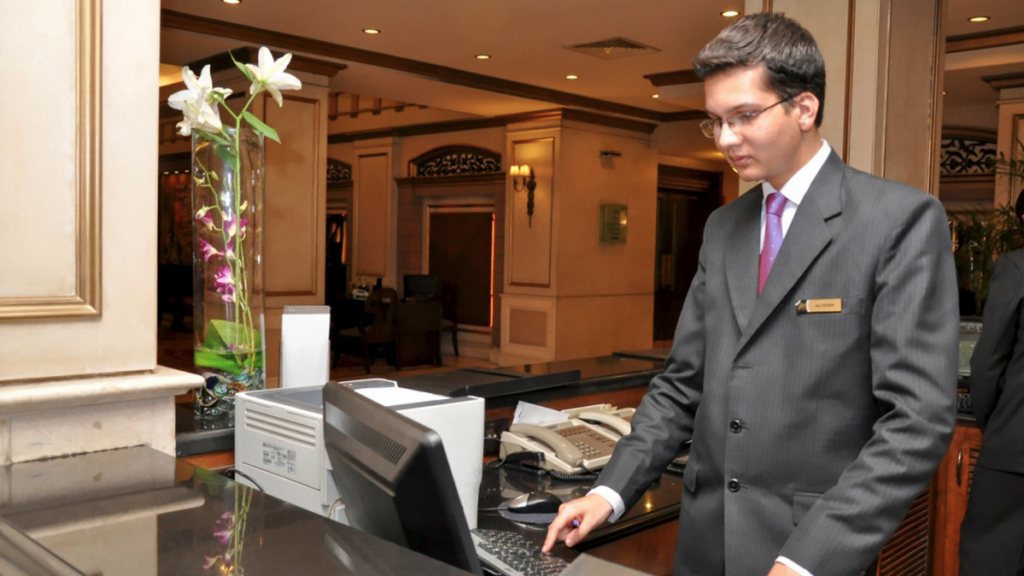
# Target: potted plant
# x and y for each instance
(980, 239)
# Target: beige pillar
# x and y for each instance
(884, 61)
(1011, 132)
(568, 295)
(78, 150)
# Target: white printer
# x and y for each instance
(279, 441)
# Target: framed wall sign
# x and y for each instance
(613, 223)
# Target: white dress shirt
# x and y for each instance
(794, 190)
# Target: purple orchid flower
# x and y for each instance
(224, 527)
(235, 226)
(210, 561)
(224, 536)
(204, 216)
(208, 250)
(230, 249)
(225, 284)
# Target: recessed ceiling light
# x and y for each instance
(483, 56)
(654, 96)
(232, 1)
(730, 13)
(979, 19)
(371, 31)
(572, 77)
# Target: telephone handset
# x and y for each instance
(565, 451)
(569, 446)
(614, 422)
(606, 417)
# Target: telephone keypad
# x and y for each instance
(592, 444)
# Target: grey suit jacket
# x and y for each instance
(812, 433)
(997, 368)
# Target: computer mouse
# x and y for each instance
(535, 503)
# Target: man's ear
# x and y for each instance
(806, 106)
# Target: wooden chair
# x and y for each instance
(371, 323)
(449, 317)
(382, 304)
(418, 338)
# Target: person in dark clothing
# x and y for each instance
(992, 534)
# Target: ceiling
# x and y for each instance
(1001, 13)
(968, 101)
(526, 41)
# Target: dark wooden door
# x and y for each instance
(461, 249)
(685, 200)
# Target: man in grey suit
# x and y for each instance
(814, 363)
(992, 534)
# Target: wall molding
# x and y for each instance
(86, 302)
(47, 394)
(499, 121)
(450, 181)
(548, 306)
(987, 39)
(674, 78)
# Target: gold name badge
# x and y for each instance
(820, 306)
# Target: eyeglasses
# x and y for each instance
(713, 126)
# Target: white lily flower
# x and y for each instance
(198, 101)
(270, 74)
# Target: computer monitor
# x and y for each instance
(422, 285)
(394, 478)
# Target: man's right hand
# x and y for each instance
(576, 519)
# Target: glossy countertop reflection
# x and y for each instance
(659, 504)
(137, 512)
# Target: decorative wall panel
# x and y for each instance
(967, 156)
(292, 240)
(531, 238)
(338, 172)
(373, 215)
(52, 211)
(455, 161)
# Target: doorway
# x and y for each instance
(336, 264)
(686, 197)
(460, 250)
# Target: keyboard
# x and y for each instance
(510, 554)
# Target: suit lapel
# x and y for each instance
(741, 257)
(807, 236)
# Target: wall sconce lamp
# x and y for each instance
(523, 179)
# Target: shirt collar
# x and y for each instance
(796, 188)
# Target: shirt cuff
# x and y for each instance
(613, 498)
(793, 565)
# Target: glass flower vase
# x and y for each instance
(227, 239)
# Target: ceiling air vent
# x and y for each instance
(613, 48)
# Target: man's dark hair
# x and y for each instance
(1019, 207)
(786, 48)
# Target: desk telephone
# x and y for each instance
(582, 443)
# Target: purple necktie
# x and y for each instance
(773, 207)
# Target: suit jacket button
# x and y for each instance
(734, 485)
(735, 426)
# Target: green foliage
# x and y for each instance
(260, 127)
(241, 66)
(980, 240)
(1010, 167)
(226, 348)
